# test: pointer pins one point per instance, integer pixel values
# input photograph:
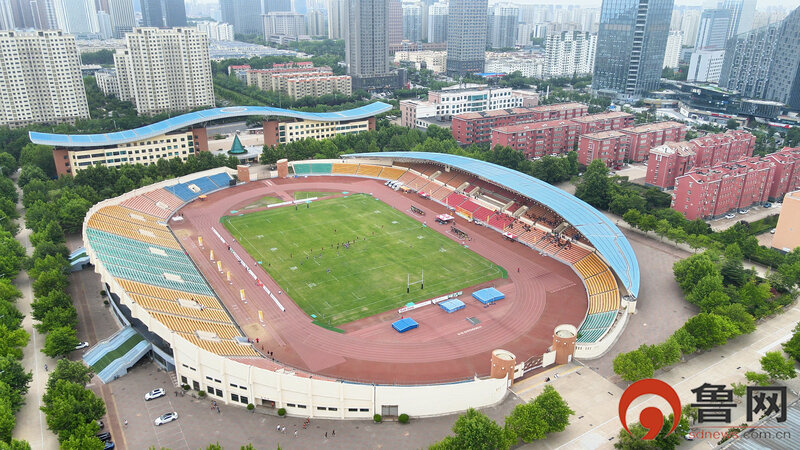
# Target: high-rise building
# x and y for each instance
(104, 24)
(672, 53)
(784, 73)
(316, 22)
(437, 22)
(502, 25)
(216, 31)
(165, 69)
(748, 59)
(37, 14)
(466, 36)
(337, 19)
(163, 13)
(77, 17)
(742, 14)
(40, 78)
(705, 66)
(6, 15)
(524, 31)
(569, 53)
(244, 15)
(122, 18)
(630, 47)
(367, 44)
(269, 6)
(412, 21)
(394, 21)
(284, 23)
(713, 31)
(690, 22)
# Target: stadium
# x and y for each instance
(388, 283)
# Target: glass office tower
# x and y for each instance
(631, 44)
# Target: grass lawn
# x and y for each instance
(120, 351)
(302, 195)
(263, 201)
(369, 277)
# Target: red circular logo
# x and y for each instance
(651, 418)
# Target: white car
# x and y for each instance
(81, 345)
(166, 418)
(154, 394)
(744, 211)
(729, 216)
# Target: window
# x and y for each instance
(234, 397)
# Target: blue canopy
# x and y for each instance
(403, 325)
(488, 295)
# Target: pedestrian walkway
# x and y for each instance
(31, 425)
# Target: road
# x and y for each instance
(31, 425)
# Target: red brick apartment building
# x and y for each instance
(644, 137)
(613, 120)
(537, 139)
(665, 164)
(716, 149)
(714, 191)
(476, 127)
(610, 146)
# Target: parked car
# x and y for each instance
(104, 436)
(767, 205)
(81, 345)
(109, 445)
(729, 216)
(772, 231)
(166, 418)
(744, 211)
(154, 394)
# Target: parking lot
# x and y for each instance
(755, 213)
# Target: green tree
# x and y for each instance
(12, 342)
(7, 421)
(30, 173)
(40, 156)
(778, 367)
(661, 442)
(732, 124)
(47, 282)
(57, 318)
(596, 186)
(701, 292)
(72, 371)
(622, 203)
(685, 341)
(710, 330)
(555, 408)
(53, 300)
(760, 379)
(633, 217)
(83, 438)
(792, 137)
(8, 164)
(526, 423)
(688, 272)
(60, 341)
(14, 375)
(792, 346)
(754, 297)
(744, 322)
(15, 445)
(68, 405)
(633, 366)
(474, 430)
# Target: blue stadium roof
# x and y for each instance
(598, 229)
(185, 120)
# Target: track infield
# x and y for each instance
(298, 248)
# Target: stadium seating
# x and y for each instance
(595, 326)
(187, 325)
(441, 193)
(222, 180)
(392, 173)
(408, 177)
(172, 307)
(573, 254)
(368, 170)
(500, 221)
(590, 265)
(145, 205)
(344, 169)
(482, 214)
(469, 205)
(513, 208)
(418, 183)
(167, 294)
(302, 169)
(221, 347)
(458, 179)
(166, 198)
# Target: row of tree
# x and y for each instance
(71, 410)
(730, 299)
(14, 379)
(528, 422)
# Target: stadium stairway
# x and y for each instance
(112, 357)
(78, 260)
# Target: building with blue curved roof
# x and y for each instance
(184, 135)
(604, 236)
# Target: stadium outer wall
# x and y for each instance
(341, 399)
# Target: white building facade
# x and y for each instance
(165, 69)
(672, 55)
(40, 78)
(706, 66)
(569, 53)
(216, 31)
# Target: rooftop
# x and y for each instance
(601, 116)
(559, 106)
(197, 117)
(658, 126)
(534, 126)
(604, 134)
(670, 148)
(594, 225)
(493, 113)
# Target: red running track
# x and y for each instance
(541, 293)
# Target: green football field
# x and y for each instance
(340, 285)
